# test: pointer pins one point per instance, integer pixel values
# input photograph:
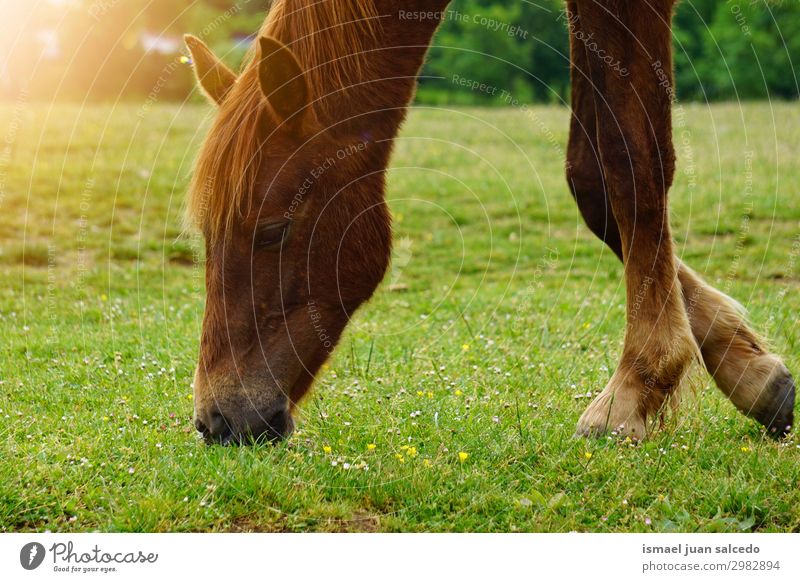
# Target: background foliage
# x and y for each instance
(723, 50)
(732, 49)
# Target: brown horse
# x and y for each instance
(289, 194)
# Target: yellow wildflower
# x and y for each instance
(420, 393)
(399, 457)
(588, 455)
(745, 449)
(458, 393)
(411, 452)
(462, 456)
(327, 450)
(465, 347)
(371, 447)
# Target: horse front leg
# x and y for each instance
(627, 46)
(755, 380)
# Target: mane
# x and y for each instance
(330, 39)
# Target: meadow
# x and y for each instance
(451, 402)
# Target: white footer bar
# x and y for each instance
(406, 557)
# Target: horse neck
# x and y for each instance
(378, 102)
(381, 79)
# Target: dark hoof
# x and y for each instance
(776, 412)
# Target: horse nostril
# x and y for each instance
(270, 426)
(201, 428)
(218, 426)
(218, 429)
(278, 423)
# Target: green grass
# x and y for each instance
(513, 313)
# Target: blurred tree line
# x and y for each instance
(111, 49)
(724, 49)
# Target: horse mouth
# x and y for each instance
(258, 428)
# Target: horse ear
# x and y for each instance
(215, 78)
(283, 81)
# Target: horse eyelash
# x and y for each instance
(268, 229)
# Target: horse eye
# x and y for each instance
(272, 235)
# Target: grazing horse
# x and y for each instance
(288, 191)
